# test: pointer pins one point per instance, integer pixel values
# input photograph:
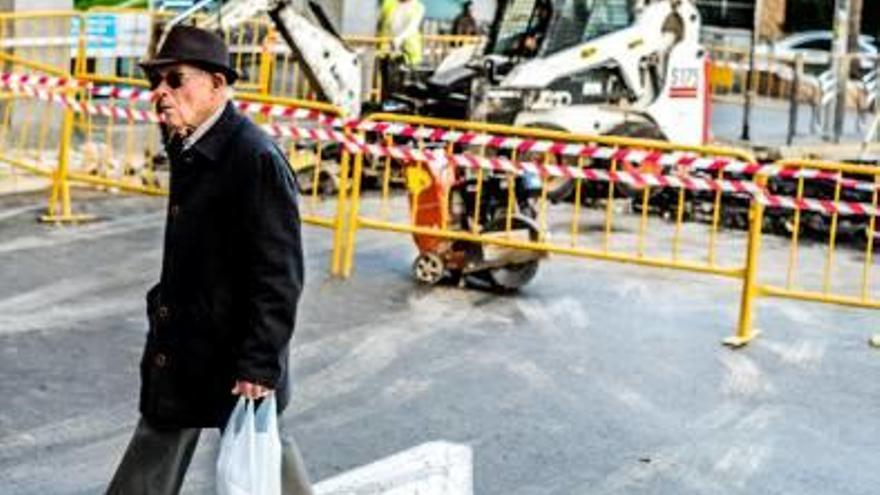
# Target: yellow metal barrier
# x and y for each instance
(110, 139)
(730, 70)
(825, 203)
(114, 143)
(321, 164)
(822, 208)
(25, 164)
(569, 228)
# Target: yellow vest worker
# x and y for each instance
(401, 20)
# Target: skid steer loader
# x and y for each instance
(585, 66)
(596, 67)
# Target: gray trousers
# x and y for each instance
(156, 461)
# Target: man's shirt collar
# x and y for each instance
(213, 142)
(203, 129)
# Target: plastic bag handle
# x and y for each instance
(242, 414)
(266, 415)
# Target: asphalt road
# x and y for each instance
(597, 378)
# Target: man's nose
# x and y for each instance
(159, 92)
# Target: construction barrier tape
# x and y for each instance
(37, 80)
(31, 85)
(826, 206)
(683, 159)
(111, 111)
(36, 85)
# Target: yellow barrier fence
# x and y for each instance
(96, 126)
(825, 215)
(74, 113)
(109, 137)
(730, 71)
(604, 176)
(456, 187)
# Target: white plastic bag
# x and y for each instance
(250, 451)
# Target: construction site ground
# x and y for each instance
(597, 378)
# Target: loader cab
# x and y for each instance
(520, 28)
(525, 29)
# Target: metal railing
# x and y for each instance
(658, 180)
(798, 80)
(818, 206)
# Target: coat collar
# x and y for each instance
(211, 144)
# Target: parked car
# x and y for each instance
(816, 49)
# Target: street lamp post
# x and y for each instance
(747, 109)
(840, 62)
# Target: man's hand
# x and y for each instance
(250, 390)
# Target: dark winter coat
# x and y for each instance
(232, 273)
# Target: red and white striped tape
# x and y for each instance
(506, 165)
(112, 111)
(268, 110)
(138, 115)
(826, 206)
(670, 159)
(38, 80)
(289, 112)
(322, 134)
(118, 93)
(28, 84)
(689, 160)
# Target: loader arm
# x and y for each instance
(331, 67)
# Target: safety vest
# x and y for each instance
(412, 45)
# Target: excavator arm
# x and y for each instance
(331, 67)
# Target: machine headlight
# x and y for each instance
(497, 105)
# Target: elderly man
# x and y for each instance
(222, 315)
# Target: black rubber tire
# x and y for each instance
(512, 277)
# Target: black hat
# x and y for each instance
(189, 44)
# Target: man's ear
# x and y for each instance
(218, 80)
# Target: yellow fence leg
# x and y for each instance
(59, 202)
(341, 216)
(354, 211)
(267, 57)
(745, 332)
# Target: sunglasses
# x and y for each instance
(174, 79)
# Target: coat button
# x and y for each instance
(175, 210)
(163, 312)
(160, 360)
